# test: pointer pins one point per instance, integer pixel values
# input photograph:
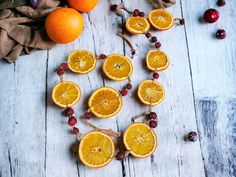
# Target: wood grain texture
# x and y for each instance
(212, 64)
(35, 139)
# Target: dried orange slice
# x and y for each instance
(151, 92)
(157, 60)
(140, 140)
(105, 102)
(117, 67)
(137, 25)
(81, 61)
(161, 19)
(96, 149)
(66, 94)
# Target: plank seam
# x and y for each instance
(9, 159)
(192, 87)
(45, 120)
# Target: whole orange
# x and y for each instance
(64, 25)
(82, 5)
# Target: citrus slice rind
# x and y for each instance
(151, 92)
(81, 61)
(137, 25)
(105, 102)
(66, 94)
(96, 149)
(157, 60)
(117, 67)
(140, 140)
(161, 19)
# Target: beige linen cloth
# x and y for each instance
(22, 27)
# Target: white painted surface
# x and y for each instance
(200, 95)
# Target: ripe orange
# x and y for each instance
(82, 5)
(64, 25)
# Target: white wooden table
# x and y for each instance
(200, 95)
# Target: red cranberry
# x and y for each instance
(141, 14)
(120, 156)
(153, 123)
(64, 66)
(220, 34)
(154, 39)
(72, 121)
(88, 115)
(211, 15)
(157, 45)
(136, 12)
(113, 7)
(69, 111)
(133, 52)
(182, 21)
(75, 130)
(221, 3)
(192, 136)
(60, 71)
(155, 75)
(129, 86)
(153, 115)
(148, 35)
(124, 92)
(102, 56)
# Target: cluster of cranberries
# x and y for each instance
(152, 116)
(62, 69)
(138, 13)
(125, 90)
(153, 39)
(212, 15)
(72, 121)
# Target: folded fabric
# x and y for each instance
(22, 27)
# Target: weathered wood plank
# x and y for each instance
(174, 156)
(22, 116)
(98, 37)
(213, 74)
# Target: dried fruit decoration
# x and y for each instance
(139, 24)
(66, 94)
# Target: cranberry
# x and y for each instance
(88, 115)
(153, 115)
(153, 123)
(157, 45)
(129, 86)
(69, 111)
(192, 136)
(141, 14)
(221, 3)
(155, 75)
(60, 71)
(113, 7)
(133, 52)
(220, 34)
(64, 66)
(124, 92)
(148, 35)
(182, 21)
(120, 156)
(72, 121)
(136, 12)
(75, 130)
(154, 39)
(211, 15)
(102, 56)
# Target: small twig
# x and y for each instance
(127, 39)
(125, 9)
(140, 115)
(61, 78)
(106, 131)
